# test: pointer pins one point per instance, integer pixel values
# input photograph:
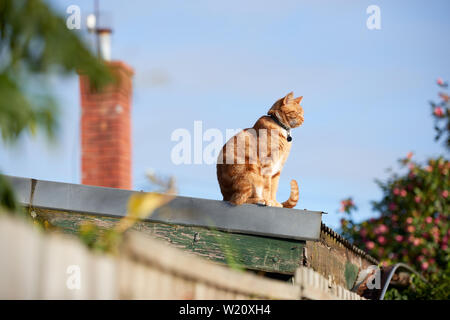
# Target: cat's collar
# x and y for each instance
(285, 127)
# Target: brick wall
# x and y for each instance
(106, 130)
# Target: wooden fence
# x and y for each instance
(37, 265)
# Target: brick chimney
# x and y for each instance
(106, 130)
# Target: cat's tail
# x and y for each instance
(293, 198)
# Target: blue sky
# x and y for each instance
(225, 63)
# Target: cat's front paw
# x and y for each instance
(257, 201)
(262, 203)
(274, 203)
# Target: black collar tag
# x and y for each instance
(278, 122)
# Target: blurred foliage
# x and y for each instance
(413, 222)
(7, 199)
(35, 43)
(140, 206)
(347, 205)
(413, 225)
(441, 114)
(438, 288)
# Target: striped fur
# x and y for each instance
(293, 198)
(250, 163)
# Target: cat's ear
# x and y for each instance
(288, 98)
(298, 100)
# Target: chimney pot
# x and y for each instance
(104, 38)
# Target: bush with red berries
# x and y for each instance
(412, 223)
(441, 114)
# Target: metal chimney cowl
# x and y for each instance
(104, 39)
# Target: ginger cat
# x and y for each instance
(250, 163)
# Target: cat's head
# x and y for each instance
(288, 110)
